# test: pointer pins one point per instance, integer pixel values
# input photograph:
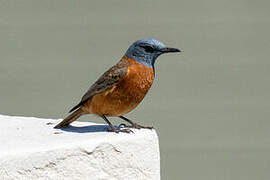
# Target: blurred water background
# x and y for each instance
(209, 104)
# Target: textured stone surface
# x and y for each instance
(31, 149)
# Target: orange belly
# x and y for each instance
(125, 95)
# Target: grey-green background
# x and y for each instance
(209, 105)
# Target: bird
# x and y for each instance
(121, 88)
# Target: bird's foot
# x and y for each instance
(136, 126)
(117, 130)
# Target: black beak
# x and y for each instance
(169, 50)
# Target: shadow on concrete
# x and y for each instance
(86, 129)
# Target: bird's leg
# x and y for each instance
(134, 125)
(112, 128)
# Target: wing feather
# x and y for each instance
(107, 80)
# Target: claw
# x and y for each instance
(126, 130)
(117, 130)
(137, 126)
(134, 125)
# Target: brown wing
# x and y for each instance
(109, 78)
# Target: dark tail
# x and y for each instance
(72, 117)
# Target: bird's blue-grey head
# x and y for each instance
(146, 51)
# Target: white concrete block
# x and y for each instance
(31, 149)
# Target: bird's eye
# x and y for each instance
(148, 49)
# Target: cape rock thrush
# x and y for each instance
(120, 89)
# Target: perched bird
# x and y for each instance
(120, 89)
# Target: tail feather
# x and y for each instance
(72, 117)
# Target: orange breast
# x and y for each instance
(125, 95)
